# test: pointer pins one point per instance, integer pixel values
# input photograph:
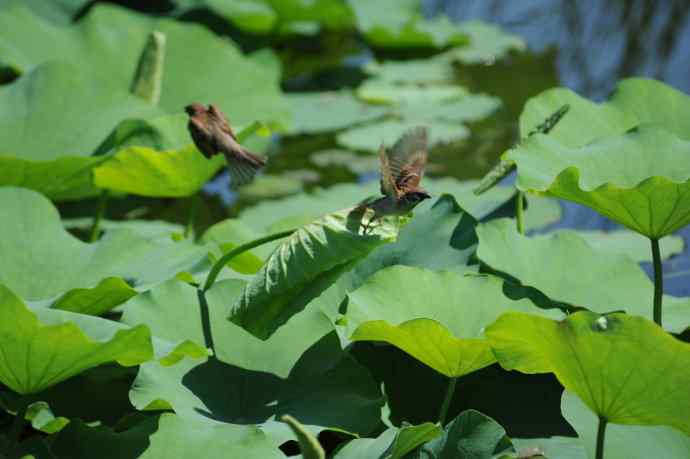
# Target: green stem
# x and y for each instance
(519, 211)
(17, 428)
(658, 280)
(601, 433)
(446, 400)
(222, 261)
(100, 212)
(191, 218)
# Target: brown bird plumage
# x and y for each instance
(212, 134)
(402, 169)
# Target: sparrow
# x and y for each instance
(212, 134)
(402, 169)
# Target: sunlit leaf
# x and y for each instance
(324, 245)
(622, 441)
(40, 260)
(578, 274)
(40, 354)
(438, 318)
(595, 356)
(110, 292)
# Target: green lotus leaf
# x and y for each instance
(357, 164)
(158, 230)
(297, 371)
(60, 179)
(384, 92)
(147, 172)
(59, 11)
(436, 317)
(629, 243)
(106, 44)
(314, 112)
(487, 43)
(40, 260)
(266, 187)
(38, 355)
(471, 434)
(312, 251)
(394, 443)
(164, 436)
(635, 101)
(393, 23)
(595, 355)
(232, 233)
(109, 293)
(649, 196)
(603, 283)
(434, 70)
(622, 441)
(364, 138)
(252, 16)
(43, 419)
(40, 126)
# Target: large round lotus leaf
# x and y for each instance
(622, 441)
(315, 250)
(437, 317)
(106, 45)
(167, 436)
(577, 274)
(301, 370)
(60, 11)
(58, 110)
(329, 111)
(595, 356)
(640, 179)
(635, 101)
(369, 136)
(40, 260)
(38, 355)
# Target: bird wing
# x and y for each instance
(387, 181)
(221, 120)
(202, 137)
(242, 170)
(407, 159)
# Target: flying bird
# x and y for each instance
(402, 169)
(212, 134)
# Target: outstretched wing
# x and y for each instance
(221, 120)
(387, 180)
(407, 159)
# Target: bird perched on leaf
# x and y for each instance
(212, 134)
(402, 168)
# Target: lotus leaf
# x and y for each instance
(595, 356)
(578, 274)
(622, 441)
(438, 318)
(37, 355)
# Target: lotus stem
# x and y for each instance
(446, 400)
(658, 280)
(206, 322)
(519, 211)
(601, 433)
(149, 75)
(100, 212)
(222, 261)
